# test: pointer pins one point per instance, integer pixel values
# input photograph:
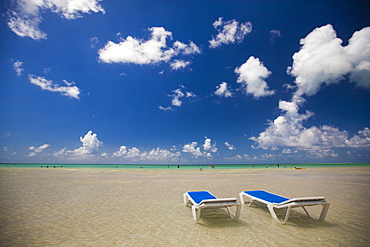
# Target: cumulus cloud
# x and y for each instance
(208, 146)
(159, 154)
(25, 18)
(223, 91)
(229, 32)
(289, 151)
(358, 50)
(185, 49)
(288, 130)
(151, 51)
(361, 140)
(322, 60)
(18, 67)
(179, 64)
(229, 146)
(156, 154)
(252, 75)
(60, 153)
(36, 150)
(48, 85)
(131, 50)
(194, 150)
(90, 146)
(176, 96)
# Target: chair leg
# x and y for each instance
(186, 199)
(196, 212)
(228, 211)
(237, 214)
(241, 195)
(306, 212)
(324, 211)
(273, 214)
(287, 215)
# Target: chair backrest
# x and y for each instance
(267, 196)
(199, 196)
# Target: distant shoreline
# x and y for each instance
(182, 166)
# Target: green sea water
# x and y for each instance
(183, 166)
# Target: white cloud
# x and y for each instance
(36, 150)
(25, 18)
(252, 75)
(90, 146)
(179, 64)
(156, 154)
(322, 153)
(47, 70)
(60, 153)
(176, 95)
(168, 108)
(131, 50)
(133, 153)
(223, 91)
(121, 152)
(360, 140)
(358, 50)
(275, 34)
(288, 130)
(93, 42)
(151, 51)
(48, 85)
(229, 32)
(194, 150)
(159, 154)
(185, 49)
(26, 25)
(289, 151)
(229, 146)
(18, 67)
(322, 60)
(208, 146)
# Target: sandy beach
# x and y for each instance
(142, 207)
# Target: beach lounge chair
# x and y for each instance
(199, 200)
(278, 202)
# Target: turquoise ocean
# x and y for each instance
(183, 166)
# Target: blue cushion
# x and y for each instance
(264, 195)
(198, 196)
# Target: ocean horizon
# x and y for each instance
(180, 166)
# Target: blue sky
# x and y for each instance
(177, 82)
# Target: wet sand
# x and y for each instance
(141, 207)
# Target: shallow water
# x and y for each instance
(144, 207)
